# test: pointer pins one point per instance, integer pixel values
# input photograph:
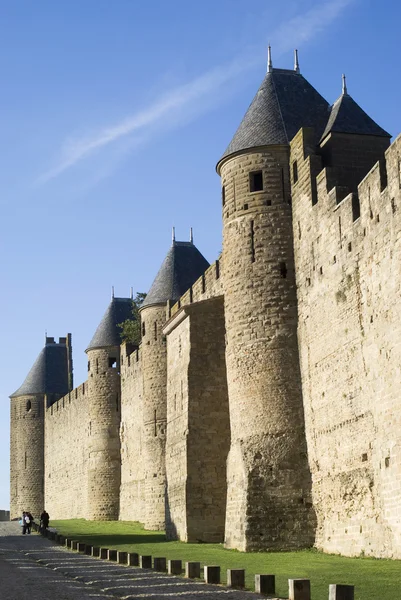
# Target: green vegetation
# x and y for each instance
(131, 328)
(373, 579)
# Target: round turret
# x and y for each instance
(104, 390)
(268, 497)
(180, 269)
(48, 380)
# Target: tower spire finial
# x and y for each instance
(345, 91)
(112, 292)
(173, 235)
(296, 62)
(131, 293)
(191, 235)
(269, 59)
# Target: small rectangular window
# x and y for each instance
(295, 171)
(223, 194)
(143, 329)
(112, 362)
(256, 181)
(89, 365)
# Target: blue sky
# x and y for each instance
(112, 118)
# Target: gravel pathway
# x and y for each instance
(34, 568)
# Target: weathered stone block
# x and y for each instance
(74, 545)
(122, 558)
(112, 555)
(236, 578)
(88, 549)
(95, 551)
(299, 589)
(192, 570)
(211, 574)
(145, 562)
(133, 559)
(160, 564)
(265, 584)
(81, 547)
(341, 592)
(104, 553)
(174, 567)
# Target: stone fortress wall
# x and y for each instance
(348, 269)
(260, 409)
(67, 429)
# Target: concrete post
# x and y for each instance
(174, 567)
(299, 589)
(112, 555)
(95, 551)
(236, 578)
(265, 584)
(341, 592)
(212, 574)
(133, 559)
(145, 562)
(160, 564)
(192, 570)
(122, 558)
(104, 552)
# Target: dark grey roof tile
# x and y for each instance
(49, 374)
(347, 116)
(183, 265)
(108, 332)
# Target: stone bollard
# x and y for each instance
(211, 574)
(52, 536)
(81, 547)
(133, 559)
(122, 558)
(341, 592)
(174, 567)
(67, 543)
(95, 551)
(104, 552)
(192, 570)
(299, 589)
(145, 562)
(88, 550)
(265, 584)
(112, 555)
(74, 545)
(236, 578)
(159, 564)
(61, 540)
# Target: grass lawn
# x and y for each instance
(373, 579)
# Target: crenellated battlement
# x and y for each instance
(78, 394)
(207, 286)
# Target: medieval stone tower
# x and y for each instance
(48, 380)
(181, 267)
(104, 470)
(269, 488)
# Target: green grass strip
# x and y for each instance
(373, 579)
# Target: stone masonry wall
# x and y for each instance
(348, 271)
(269, 488)
(208, 439)
(132, 492)
(154, 373)
(209, 285)
(67, 455)
(26, 453)
(104, 468)
(178, 357)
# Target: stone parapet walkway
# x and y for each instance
(34, 568)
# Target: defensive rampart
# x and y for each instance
(348, 271)
(67, 429)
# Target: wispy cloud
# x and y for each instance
(297, 31)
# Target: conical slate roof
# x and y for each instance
(108, 333)
(49, 374)
(183, 265)
(347, 116)
(284, 103)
